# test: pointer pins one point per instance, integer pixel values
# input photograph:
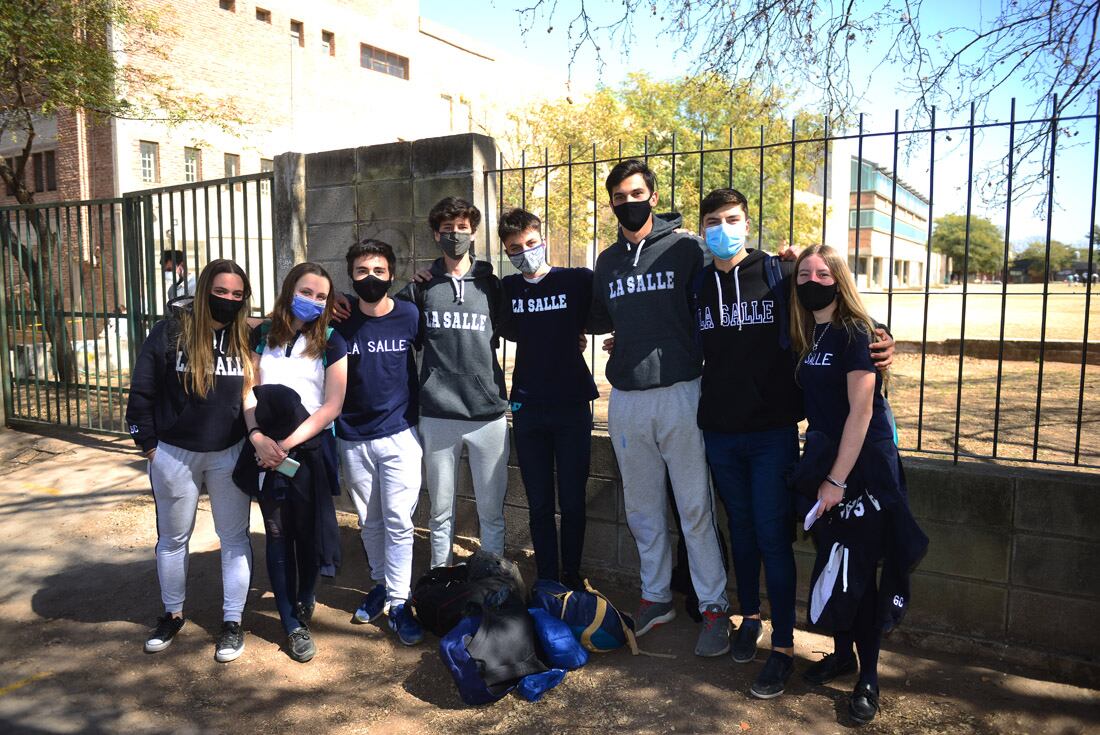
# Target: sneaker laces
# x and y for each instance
(230, 636)
(712, 617)
(164, 626)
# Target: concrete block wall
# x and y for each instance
(385, 192)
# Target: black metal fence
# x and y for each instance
(82, 282)
(986, 368)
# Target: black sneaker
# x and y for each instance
(863, 704)
(749, 634)
(300, 646)
(161, 636)
(773, 677)
(833, 666)
(230, 643)
(304, 612)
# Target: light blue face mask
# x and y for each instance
(305, 309)
(724, 241)
(530, 260)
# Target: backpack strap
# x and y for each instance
(774, 273)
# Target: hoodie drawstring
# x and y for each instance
(736, 304)
(638, 252)
(459, 287)
(737, 293)
(721, 302)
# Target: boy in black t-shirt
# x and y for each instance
(544, 311)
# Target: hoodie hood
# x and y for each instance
(663, 224)
(478, 269)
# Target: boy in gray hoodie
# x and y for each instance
(641, 292)
(462, 392)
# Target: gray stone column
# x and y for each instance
(290, 236)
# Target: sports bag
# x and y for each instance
(443, 596)
(558, 647)
(593, 619)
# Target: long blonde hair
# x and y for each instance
(198, 326)
(849, 314)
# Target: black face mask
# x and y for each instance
(633, 215)
(371, 289)
(816, 296)
(223, 310)
(455, 244)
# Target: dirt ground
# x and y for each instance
(76, 538)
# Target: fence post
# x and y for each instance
(288, 200)
(5, 362)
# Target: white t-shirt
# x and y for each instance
(304, 374)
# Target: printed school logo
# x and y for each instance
(750, 312)
(641, 283)
(456, 320)
(705, 320)
(222, 365)
(546, 303)
(381, 345)
(823, 359)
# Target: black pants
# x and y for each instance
(292, 563)
(553, 436)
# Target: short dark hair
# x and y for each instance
(175, 256)
(720, 199)
(370, 247)
(625, 169)
(452, 208)
(517, 220)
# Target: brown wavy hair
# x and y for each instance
(850, 314)
(197, 325)
(282, 318)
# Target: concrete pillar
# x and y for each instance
(290, 236)
(385, 191)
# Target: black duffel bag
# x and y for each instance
(443, 596)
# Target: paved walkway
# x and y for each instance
(76, 537)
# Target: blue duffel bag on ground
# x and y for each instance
(591, 617)
(558, 647)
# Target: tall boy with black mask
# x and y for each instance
(640, 291)
(749, 410)
(462, 392)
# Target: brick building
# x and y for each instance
(301, 76)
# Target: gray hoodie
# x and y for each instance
(641, 292)
(460, 377)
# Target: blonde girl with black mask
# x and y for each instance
(185, 413)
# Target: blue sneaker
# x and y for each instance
(371, 606)
(402, 622)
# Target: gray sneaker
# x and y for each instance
(650, 615)
(714, 638)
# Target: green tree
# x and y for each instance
(653, 118)
(1035, 254)
(63, 55)
(949, 237)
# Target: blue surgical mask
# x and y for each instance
(724, 241)
(530, 260)
(305, 309)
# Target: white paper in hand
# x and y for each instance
(811, 516)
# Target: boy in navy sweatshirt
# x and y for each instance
(376, 436)
(544, 311)
(462, 393)
(749, 409)
(640, 291)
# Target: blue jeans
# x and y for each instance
(549, 436)
(750, 473)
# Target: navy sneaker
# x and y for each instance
(372, 605)
(404, 625)
(749, 635)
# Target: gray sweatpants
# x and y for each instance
(651, 430)
(176, 475)
(487, 444)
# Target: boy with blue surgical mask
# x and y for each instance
(749, 410)
(544, 311)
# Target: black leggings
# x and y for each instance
(866, 634)
(292, 563)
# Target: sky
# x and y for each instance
(497, 23)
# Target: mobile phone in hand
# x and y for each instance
(289, 467)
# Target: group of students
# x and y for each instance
(717, 352)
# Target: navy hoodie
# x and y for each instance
(460, 377)
(641, 292)
(160, 409)
(748, 376)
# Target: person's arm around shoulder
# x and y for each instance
(882, 349)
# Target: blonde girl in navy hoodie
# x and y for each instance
(185, 413)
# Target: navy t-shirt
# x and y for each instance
(545, 320)
(823, 375)
(381, 397)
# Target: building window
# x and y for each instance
(229, 5)
(264, 16)
(232, 165)
(384, 61)
(296, 33)
(150, 162)
(192, 164)
(13, 164)
(45, 171)
(266, 166)
(328, 42)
